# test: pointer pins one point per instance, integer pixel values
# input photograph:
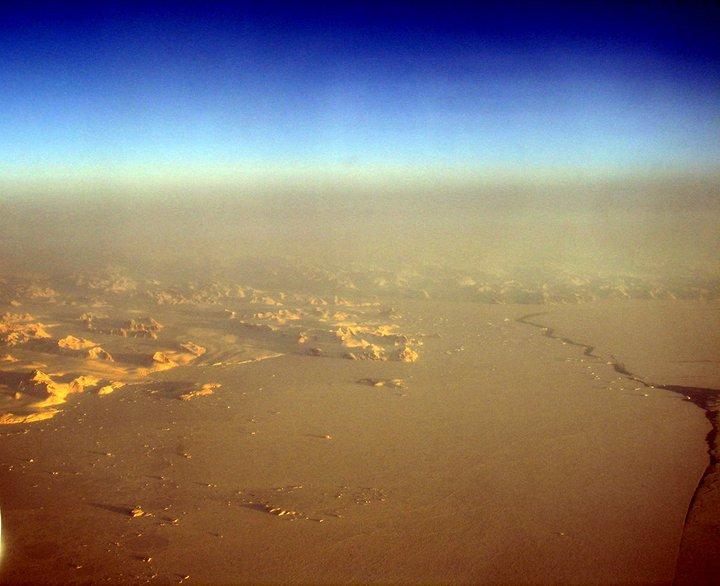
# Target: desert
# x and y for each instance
(540, 434)
(405, 293)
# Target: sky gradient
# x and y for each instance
(267, 86)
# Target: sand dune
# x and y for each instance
(133, 350)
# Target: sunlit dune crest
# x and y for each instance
(73, 343)
(134, 350)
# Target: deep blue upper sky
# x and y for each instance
(511, 84)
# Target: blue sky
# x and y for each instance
(258, 84)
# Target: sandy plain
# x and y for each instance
(494, 453)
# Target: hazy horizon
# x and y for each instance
(661, 228)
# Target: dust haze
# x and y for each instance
(662, 229)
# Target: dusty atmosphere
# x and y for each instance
(367, 292)
(515, 383)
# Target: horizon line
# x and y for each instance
(60, 178)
